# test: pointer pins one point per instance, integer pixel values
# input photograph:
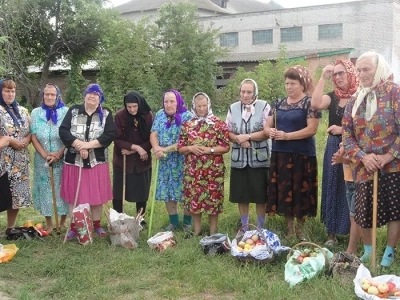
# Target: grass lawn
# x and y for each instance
(51, 270)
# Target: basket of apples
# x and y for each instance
(251, 246)
(380, 287)
(305, 255)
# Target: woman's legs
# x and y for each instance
(290, 225)
(172, 209)
(260, 210)
(213, 220)
(12, 217)
(244, 214)
(354, 237)
(197, 224)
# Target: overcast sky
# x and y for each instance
(284, 3)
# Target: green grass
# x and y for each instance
(51, 270)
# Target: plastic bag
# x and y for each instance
(296, 272)
(7, 252)
(363, 272)
(215, 244)
(83, 223)
(162, 241)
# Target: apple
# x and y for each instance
(365, 280)
(300, 258)
(255, 238)
(305, 259)
(249, 241)
(374, 283)
(397, 293)
(39, 226)
(373, 290)
(392, 286)
(241, 244)
(365, 285)
(29, 223)
(239, 249)
(383, 288)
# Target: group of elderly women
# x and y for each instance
(273, 157)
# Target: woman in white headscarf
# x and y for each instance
(203, 140)
(371, 139)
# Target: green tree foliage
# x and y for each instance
(3, 40)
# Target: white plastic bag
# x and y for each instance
(162, 241)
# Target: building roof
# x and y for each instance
(233, 6)
(259, 56)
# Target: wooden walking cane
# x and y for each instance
(123, 181)
(53, 192)
(76, 197)
(374, 220)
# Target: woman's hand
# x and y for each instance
(384, 159)
(142, 153)
(245, 144)
(16, 144)
(370, 162)
(278, 135)
(335, 130)
(327, 72)
(241, 138)
(127, 152)
(84, 154)
(196, 149)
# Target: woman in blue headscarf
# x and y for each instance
(86, 131)
(46, 121)
(15, 119)
(164, 140)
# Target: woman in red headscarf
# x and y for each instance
(335, 186)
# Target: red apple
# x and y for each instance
(383, 288)
(392, 286)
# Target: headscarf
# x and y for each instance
(95, 88)
(180, 108)
(352, 80)
(51, 112)
(139, 118)
(252, 103)
(210, 114)
(305, 78)
(382, 75)
(17, 119)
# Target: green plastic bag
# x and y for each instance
(296, 272)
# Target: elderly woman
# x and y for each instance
(250, 155)
(46, 121)
(164, 139)
(371, 139)
(293, 189)
(203, 140)
(132, 125)
(16, 122)
(86, 131)
(334, 210)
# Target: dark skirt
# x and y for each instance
(293, 185)
(5, 193)
(388, 200)
(248, 185)
(137, 186)
(335, 212)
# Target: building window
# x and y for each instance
(330, 31)
(262, 37)
(229, 39)
(220, 3)
(293, 34)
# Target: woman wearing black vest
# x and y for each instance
(293, 189)
(250, 152)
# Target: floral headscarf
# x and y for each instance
(51, 112)
(252, 103)
(352, 80)
(16, 116)
(210, 114)
(95, 88)
(382, 75)
(180, 108)
(305, 78)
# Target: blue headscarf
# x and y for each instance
(95, 88)
(16, 115)
(51, 112)
(180, 108)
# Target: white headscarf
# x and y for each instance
(251, 104)
(383, 74)
(207, 118)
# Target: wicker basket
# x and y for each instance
(261, 235)
(309, 244)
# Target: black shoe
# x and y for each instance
(143, 224)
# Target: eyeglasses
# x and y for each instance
(340, 74)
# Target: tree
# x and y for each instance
(45, 32)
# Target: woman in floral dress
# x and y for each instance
(203, 139)
(16, 156)
(164, 138)
(46, 121)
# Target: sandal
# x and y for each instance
(71, 235)
(100, 232)
(331, 243)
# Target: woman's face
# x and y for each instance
(8, 95)
(294, 89)
(201, 106)
(366, 69)
(340, 76)
(247, 93)
(170, 103)
(132, 108)
(92, 100)
(50, 96)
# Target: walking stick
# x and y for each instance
(53, 192)
(123, 182)
(76, 198)
(374, 220)
(153, 200)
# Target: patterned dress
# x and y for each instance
(17, 161)
(170, 169)
(47, 135)
(203, 182)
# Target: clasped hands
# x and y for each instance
(82, 147)
(53, 157)
(199, 150)
(277, 134)
(243, 140)
(18, 144)
(372, 162)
